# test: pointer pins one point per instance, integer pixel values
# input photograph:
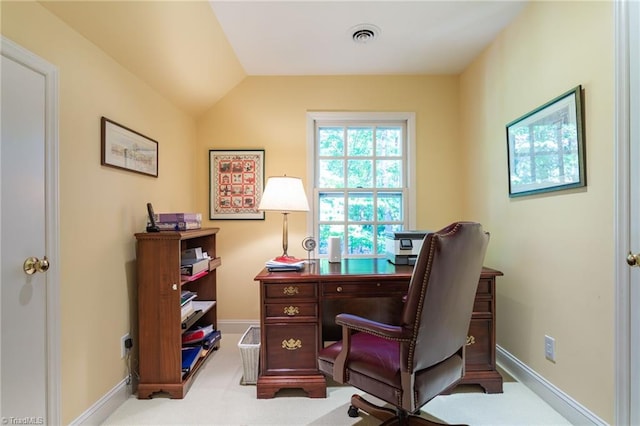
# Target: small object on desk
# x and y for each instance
(285, 263)
(309, 244)
(403, 247)
(335, 254)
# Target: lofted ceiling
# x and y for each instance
(194, 52)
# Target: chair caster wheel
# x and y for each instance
(353, 411)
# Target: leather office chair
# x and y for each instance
(407, 365)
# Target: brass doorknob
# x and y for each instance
(633, 259)
(33, 264)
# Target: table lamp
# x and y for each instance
(284, 194)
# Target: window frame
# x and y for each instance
(409, 187)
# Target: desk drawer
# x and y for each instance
(290, 348)
(479, 348)
(291, 310)
(291, 291)
(482, 306)
(348, 289)
(485, 287)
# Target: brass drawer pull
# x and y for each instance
(470, 340)
(291, 310)
(339, 289)
(291, 344)
(290, 291)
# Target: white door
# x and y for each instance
(634, 211)
(627, 368)
(28, 355)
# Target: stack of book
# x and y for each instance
(285, 263)
(178, 221)
(197, 343)
(194, 263)
(186, 303)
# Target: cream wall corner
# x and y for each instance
(101, 208)
(270, 113)
(555, 249)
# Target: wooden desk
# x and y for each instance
(298, 312)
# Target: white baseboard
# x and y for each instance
(573, 411)
(105, 406)
(568, 407)
(236, 326)
(98, 412)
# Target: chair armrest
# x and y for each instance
(386, 331)
(351, 323)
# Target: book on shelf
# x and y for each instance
(186, 309)
(178, 226)
(187, 296)
(208, 341)
(178, 217)
(195, 267)
(211, 339)
(190, 355)
(285, 263)
(196, 335)
(193, 277)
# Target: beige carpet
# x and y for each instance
(218, 398)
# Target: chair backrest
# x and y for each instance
(441, 294)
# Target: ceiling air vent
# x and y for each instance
(364, 33)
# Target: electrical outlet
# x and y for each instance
(550, 348)
(125, 345)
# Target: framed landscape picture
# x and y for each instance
(126, 149)
(546, 149)
(236, 182)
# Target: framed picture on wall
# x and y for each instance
(236, 182)
(546, 149)
(127, 149)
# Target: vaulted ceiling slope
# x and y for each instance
(194, 52)
(177, 47)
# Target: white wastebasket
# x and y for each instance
(249, 346)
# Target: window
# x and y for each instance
(361, 176)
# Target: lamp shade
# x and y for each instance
(284, 194)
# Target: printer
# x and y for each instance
(402, 247)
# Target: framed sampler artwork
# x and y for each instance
(546, 148)
(236, 182)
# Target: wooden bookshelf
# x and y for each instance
(159, 318)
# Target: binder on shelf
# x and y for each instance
(197, 335)
(190, 356)
(209, 341)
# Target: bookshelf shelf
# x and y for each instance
(159, 313)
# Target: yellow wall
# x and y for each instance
(556, 250)
(270, 113)
(100, 207)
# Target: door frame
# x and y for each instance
(627, 237)
(22, 56)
